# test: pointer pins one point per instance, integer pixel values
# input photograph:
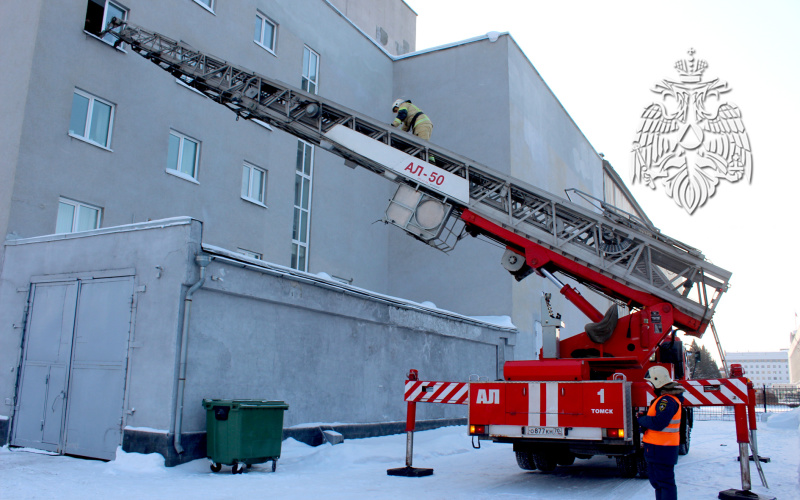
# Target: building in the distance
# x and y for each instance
(764, 368)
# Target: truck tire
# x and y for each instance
(525, 460)
(565, 458)
(642, 465)
(628, 465)
(545, 462)
(686, 433)
(686, 438)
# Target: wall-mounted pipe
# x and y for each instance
(203, 261)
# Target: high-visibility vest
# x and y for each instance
(669, 435)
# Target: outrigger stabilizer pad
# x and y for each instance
(733, 494)
(410, 472)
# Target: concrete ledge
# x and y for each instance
(194, 444)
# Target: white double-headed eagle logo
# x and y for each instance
(691, 141)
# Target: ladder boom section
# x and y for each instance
(608, 243)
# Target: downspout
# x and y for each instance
(203, 261)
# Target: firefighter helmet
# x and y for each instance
(397, 104)
(658, 376)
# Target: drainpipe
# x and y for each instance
(202, 261)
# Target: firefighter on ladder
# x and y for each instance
(662, 437)
(411, 119)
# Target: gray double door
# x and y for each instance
(72, 381)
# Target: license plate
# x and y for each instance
(546, 431)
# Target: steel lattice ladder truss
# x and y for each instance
(616, 253)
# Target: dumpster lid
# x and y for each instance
(245, 403)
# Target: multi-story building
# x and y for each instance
(763, 368)
(96, 137)
(124, 143)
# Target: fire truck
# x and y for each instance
(581, 396)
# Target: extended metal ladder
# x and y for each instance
(606, 240)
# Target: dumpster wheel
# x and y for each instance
(237, 469)
(274, 465)
(215, 467)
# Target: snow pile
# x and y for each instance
(786, 420)
(136, 463)
(504, 321)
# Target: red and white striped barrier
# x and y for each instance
(710, 392)
(418, 391)
(715, 392)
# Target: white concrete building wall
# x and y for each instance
(391, 23)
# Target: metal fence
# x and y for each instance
(768, 400)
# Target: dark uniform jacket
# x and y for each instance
(665, 410)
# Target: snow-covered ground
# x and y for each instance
(356, 469)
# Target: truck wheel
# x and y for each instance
(565, 458)
(545, 462)
(525, 460)
(642, 465)
(686, 439)
(628, 465)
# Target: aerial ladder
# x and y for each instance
(666, 284)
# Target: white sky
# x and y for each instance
(602, 58)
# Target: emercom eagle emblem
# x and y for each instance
(662, 405)
(691, 140)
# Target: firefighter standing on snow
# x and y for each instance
(411, 119)
(662, 437)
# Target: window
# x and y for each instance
(206, 4)
(302, 205)
(91, 119)
(248, 253)
(310, 70)
(74, 216)
(254, 183)
(182, 156)
(266, 32)
(99, 13)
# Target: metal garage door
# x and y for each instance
(72, 381)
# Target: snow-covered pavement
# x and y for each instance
(356, 469)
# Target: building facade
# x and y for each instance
(96, 137)
(127, 143)
(763, 368)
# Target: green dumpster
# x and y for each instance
(243, 432)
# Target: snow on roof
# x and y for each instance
(160, 223)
